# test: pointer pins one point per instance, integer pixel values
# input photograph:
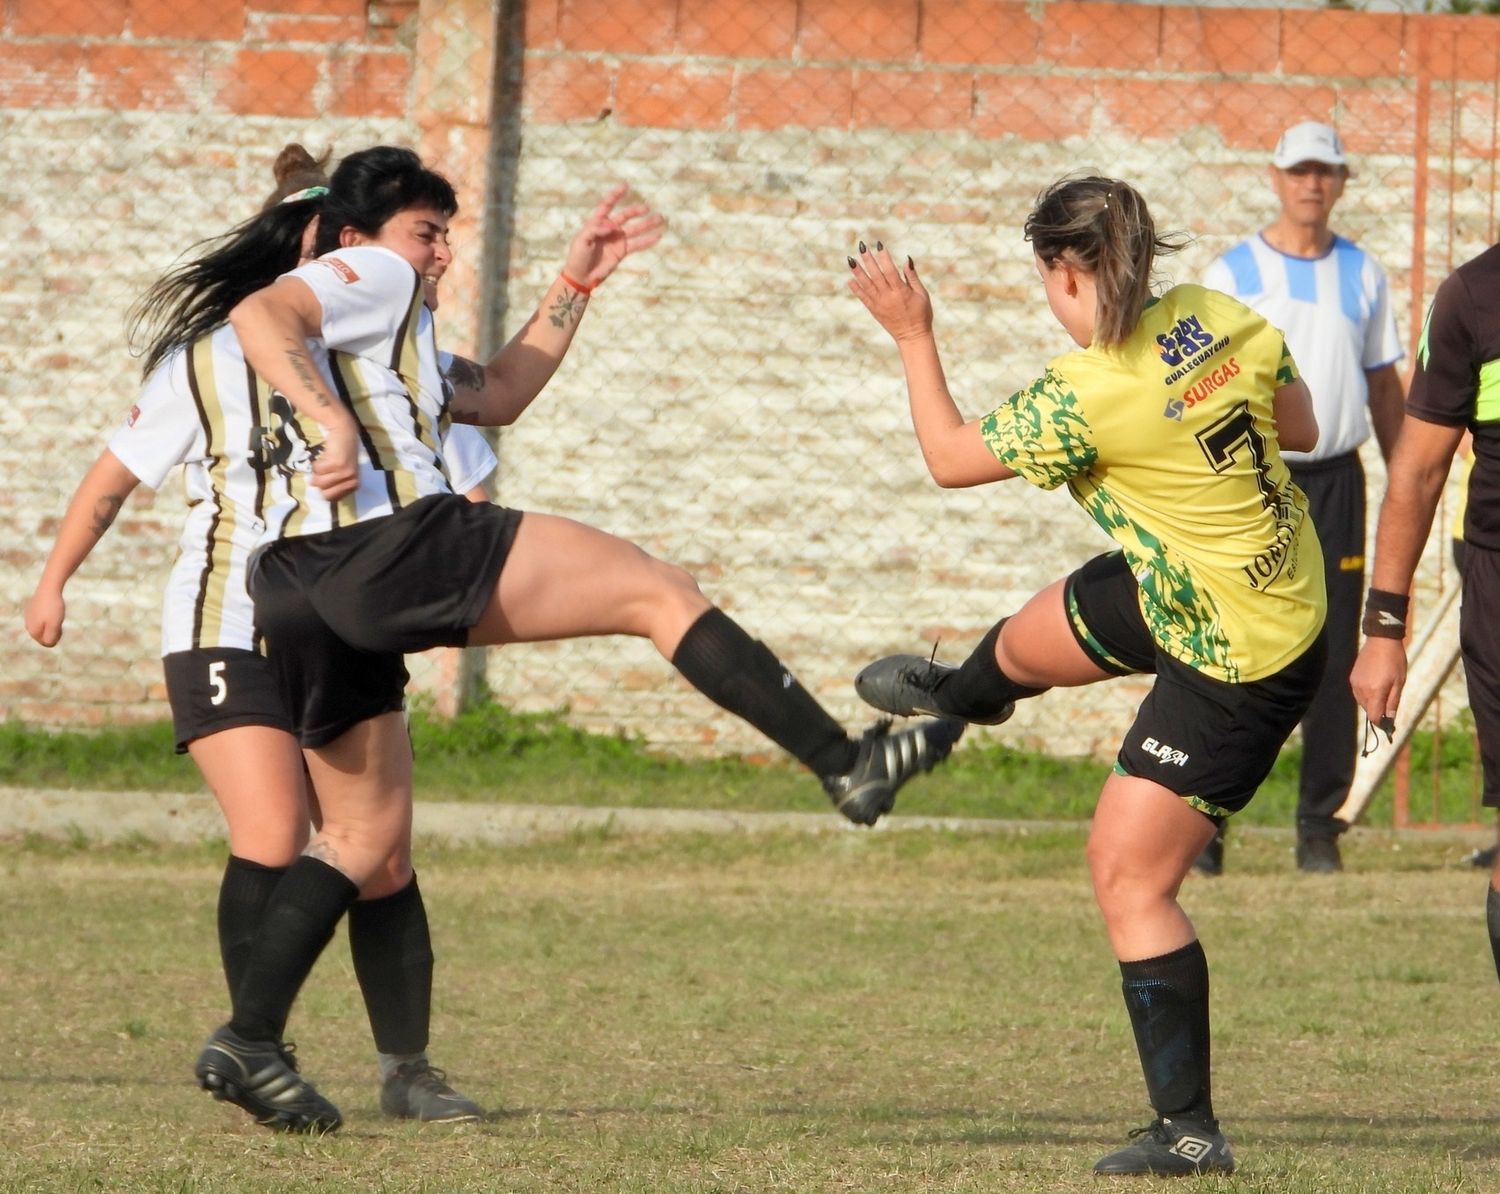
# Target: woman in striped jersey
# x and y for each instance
(202, 408)
(375, 553)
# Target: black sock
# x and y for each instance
(298, 922)
(1167, 998)
(243, 894)
(392, 953)
(740, 674)
(1492, 917)
(979, 689)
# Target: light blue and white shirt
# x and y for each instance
(1335, 311)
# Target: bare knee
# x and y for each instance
(393, 876)
(671, 603)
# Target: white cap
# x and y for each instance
(1309, 141)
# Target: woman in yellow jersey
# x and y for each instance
(1166, 426)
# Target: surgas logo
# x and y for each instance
(1202, 388)
(1186, 337)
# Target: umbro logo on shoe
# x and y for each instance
(1192, 1148)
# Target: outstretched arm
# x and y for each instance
(496, 393)
(90, 513)
(953, 449)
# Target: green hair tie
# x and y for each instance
(306, 193)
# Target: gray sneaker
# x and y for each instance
(261, 1077)
(1171, 1148)
(905, 684)
(885, 762)
(417, 1090)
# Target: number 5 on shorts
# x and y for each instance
(216, 682)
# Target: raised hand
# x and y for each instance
(609, 236)
(899, 302)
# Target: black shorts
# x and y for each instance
(1211, 742)
(1104, 610)
(1479, 641)
(339, 609)
(220, 688)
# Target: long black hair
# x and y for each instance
(371, 186)
(194, 298)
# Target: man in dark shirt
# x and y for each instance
(1456, 387)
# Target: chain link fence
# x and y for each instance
(728, 405)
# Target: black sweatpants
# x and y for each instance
(1330, 729)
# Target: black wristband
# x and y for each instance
(1385, 614)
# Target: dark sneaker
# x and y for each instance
(1484, 858)
(418, 1091)
(1211, 860)
(261, 1077)
(1319, 855)
(904, 685)
(1171, 1148)
(886, 761)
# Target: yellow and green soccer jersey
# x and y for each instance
(1169, 441)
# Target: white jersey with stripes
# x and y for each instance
(381, 360)
(1335, 312)
(205, 409)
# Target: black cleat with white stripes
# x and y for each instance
(261, 1077)
(887, 760)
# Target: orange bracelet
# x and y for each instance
(578, 286)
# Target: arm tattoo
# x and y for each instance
(105, 511)
(302, 367)
(568, 308)
(465, 374)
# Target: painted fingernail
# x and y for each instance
(862, 248)
(852, 263)
(879, 246)
(910, 264)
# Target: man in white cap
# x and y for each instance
(1331, 301)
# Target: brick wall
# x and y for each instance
(728, 405)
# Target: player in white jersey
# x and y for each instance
(202, 408)
(376, 555)
(1331, 300)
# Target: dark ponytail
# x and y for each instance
(196, 297)
(1102, 225)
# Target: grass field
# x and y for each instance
(490, 754)
(847, 1012)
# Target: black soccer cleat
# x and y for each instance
(1171, 1148)
(905, 685)
(417, 1090)
(886, 761)
(261, 1078)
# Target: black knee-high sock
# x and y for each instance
(979, 689)
(298, 922)
(1167, 998)
(243, 894)
(740, 674)
(392, 952)
(1492, 917)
